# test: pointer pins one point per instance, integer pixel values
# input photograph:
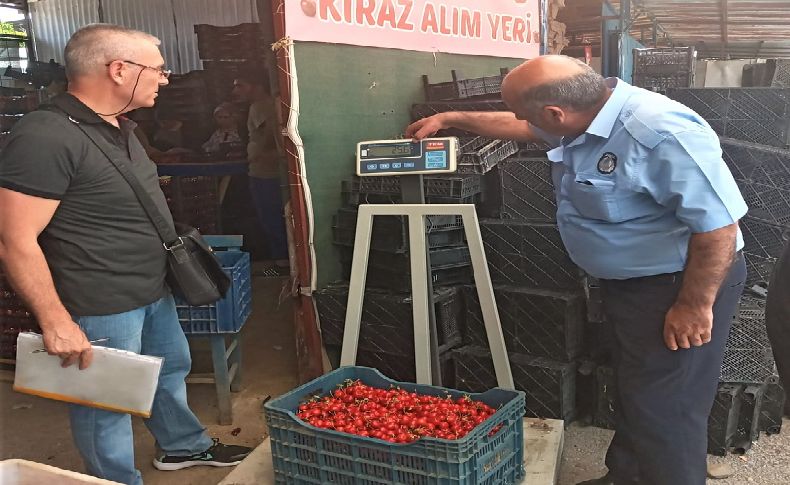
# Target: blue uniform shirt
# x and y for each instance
(631, 190)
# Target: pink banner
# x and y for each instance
(500, 28)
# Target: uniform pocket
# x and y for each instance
(592, 196)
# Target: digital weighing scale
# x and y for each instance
(407, 157)
(412, 160)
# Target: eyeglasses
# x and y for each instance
(163, 73)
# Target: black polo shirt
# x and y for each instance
(104, 253)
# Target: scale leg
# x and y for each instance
(485, 293)
(356, 286)
(419, 292)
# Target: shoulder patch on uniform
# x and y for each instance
(641, 132)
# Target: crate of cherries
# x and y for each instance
(395, 414)
(355, 426)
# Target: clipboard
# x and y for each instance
(117, 380)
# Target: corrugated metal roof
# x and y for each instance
(171, 20)
(721, 28)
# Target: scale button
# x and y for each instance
(397, 165)
(384, 166)
(373, 166)
(408, 164)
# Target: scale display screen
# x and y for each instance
(402, 157)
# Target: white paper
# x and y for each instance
(117, 380)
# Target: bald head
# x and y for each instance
(92, 47)
(552, 91)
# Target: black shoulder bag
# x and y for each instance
(193, 272)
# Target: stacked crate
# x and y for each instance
(14, 318)
(180, 100)
(386, 338)
(193, 201)
(225, 51)
(538, 291)
(664, 68)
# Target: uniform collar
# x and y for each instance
(604, 122)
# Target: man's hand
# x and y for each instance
(686, 325)
(68, 341)
(425, 127)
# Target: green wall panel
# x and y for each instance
(348, 94)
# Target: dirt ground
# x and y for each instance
(767, 463)
(37, 429)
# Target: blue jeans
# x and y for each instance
(104, 438)
(267, 197)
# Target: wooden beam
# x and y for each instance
(723, 16)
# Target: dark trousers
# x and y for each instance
(777, 319)
(267, 197)
(663, 397)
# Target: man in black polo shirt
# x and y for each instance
(79, 248)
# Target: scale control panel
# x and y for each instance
(404, 157)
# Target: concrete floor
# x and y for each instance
(37, 429)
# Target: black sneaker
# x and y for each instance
(218, 455)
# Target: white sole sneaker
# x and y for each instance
(169, 467)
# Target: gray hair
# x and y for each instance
(578, 92)
(93, 46)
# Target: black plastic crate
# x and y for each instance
(605, 397)
(550, 385)
(763, 245)
(400, 365)
(396, 280)
(424, 110)
(435, 186)
(748, 429)
(479, 155)
(663, 82)
(521, 188)
(757, 115)
(664, 60)
(387, 319)
(756, 163)
(758, 269)
(528, 254)
(780, 72)
(723, 418)
(397, 241)
(347, 217)
(463, 88)
(762, 238)
(242, 41)
(542, 323)
(401, 262)
(772, 407)
(353, 198)
(747, 355)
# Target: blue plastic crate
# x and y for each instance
(228, 314)
(304, 454)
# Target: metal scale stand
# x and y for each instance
(411, 160)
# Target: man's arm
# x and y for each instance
(22, 218)
(501, 125)
(690, 320)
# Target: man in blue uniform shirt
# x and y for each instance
(646, 204)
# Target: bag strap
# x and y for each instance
(166, 233)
